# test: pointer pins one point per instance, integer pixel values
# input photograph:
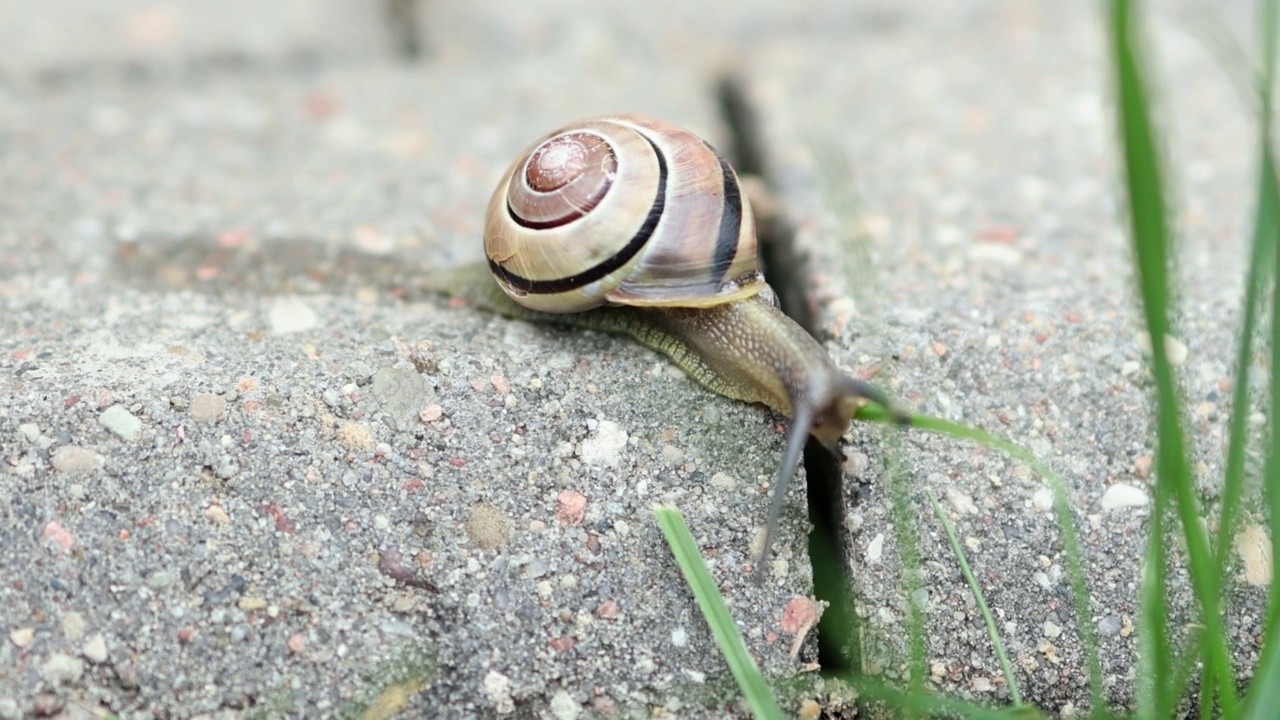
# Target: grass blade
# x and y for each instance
(1269, 203)
(757, 693)
(1062, 509)
(907, 538)
(1155, 657)
(1150, 236)
(1266, 223)
(1266, 227)
(1264, 693)
(1269, 667)
(981, 599)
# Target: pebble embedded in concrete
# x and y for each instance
(120, 421)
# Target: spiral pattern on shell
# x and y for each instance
(622, 210)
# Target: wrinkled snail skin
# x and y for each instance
(632, 225)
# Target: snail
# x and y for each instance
(632, 225)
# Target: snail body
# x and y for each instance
(632, 225)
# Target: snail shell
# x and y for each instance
(621, 210)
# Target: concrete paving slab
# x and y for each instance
(263, 474)
(248, 470)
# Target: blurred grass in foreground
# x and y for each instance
(1168, 671)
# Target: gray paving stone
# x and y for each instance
(214, 218)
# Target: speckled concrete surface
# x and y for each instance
(248, 469)
(959, 199)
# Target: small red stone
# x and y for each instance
(283, 524)
(799, 615)
(563, 643)
(60, 536)
(570, 507)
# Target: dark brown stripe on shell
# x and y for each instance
(603, 269)
(730, 221)
(587, 207)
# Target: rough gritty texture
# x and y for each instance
(247, 469)
(960, 203)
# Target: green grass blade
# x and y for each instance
(756, 691)
(907, 536)
(1272, 462)
(1264, 692)
(1155, 658)
(1269, 668)
(1150, 237)
(1270, 198)
(981, 599)
(1266, 222)
(1062, 509)
(1266, 226)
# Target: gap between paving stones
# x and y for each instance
(838, 649)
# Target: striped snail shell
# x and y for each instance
(621, 210)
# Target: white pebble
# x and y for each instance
(95, 650)
(1174, 349)
(1254, 545)
(497, 687)
(564, 707)
(63, 668)
(679, 637)
(73, 626)
(875, 549)
(1042, 499)
(1122, 495)
(22, 637)
(74, 459)
(962, 502)
(605, 447)
(723, 481)
(121, 422)
(290, 315)
(995, 254)
(206, 407)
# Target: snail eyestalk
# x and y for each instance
(797, 435)
(825, 415)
